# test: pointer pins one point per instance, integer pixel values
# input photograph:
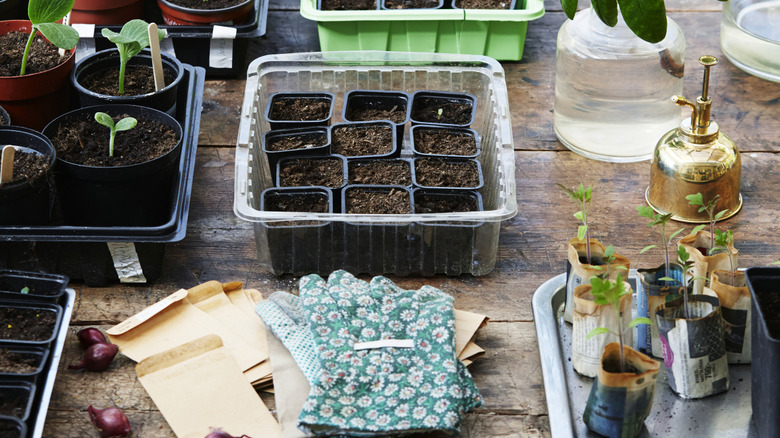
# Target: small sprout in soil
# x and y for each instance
(581, 196)
(438, 114)
(607, 292)
(25, 290)
(122, 125)
(43, 15)
(133, 38)
(658, 221)
(684, 260)
(698, 200)
(724, 240)
(609, 258)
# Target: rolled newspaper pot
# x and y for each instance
(651, 292)
(734, 297)
(586, 353)
(619, 403)
(694, 352)
(698, 246)
(579, 271)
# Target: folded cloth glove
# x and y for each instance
(387, 359)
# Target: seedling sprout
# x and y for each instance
(581, 196)
(658, 221)
(698, 200)
(122, 125)
(129, 41)
(43, 15)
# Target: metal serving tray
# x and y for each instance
(724, 415)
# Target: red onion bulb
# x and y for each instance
(90, 336)
(98, 357)
(111, 422)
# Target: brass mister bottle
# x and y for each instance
(695, 158)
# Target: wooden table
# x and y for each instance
(220, 247)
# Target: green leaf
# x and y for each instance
(698, 228)
(646, 211)
(567, 190)
(720, 214)
(25, 290)
(646, 18)
(126, 123)
(105, 120)
(597, 331)
(695, 199)
(606, 10)
(775, 263)
(64, 37)
(580, 215)
(675, 234)
(647, 248)
(48, 11)
(114, 37)
(609, 251)
(639, 320)
(569, 7)
(581, 230)
(682, 254)
(668, 279)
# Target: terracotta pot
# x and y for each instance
(177, 15)
(106, 12)
(35, 99)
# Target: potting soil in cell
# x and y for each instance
(382, 172)
(138, 80)
(441, 110)
(443, 204)
(26, 324)
(311, 172)
(359, 140)
(347, 5)
(442, 142)
(296, 142)
(300, 109)
(43, 54)
(28, 166)
(435, 172)
(207, 4)
(15, 363)
(367, 201)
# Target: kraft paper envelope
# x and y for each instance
(240, 299)
(466, 326)
(199, 385)
(174, 321)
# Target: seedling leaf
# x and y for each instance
(647, 248)
(597, 331)
(639, 320)
(48, 11)
(62, 36)
(581, 230)
(125, 124)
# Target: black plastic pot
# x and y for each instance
(316, 179)
(318, 137)
(133, 195)
(354, 165)
(764, 284)
(299, 246)
(28, 202)
(337, 130)
(19, 394)
(106, 60)
(393, 102)
(421, 148)
(457, 109)
(444, 176)
(37, 357)
(651, 293)
(40, 286)
(5, 118)
(12, 427)
(37, 310)
(304, 120)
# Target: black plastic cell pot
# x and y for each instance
(314, 176)
(313, 141)
(368, 171)
(39, 286)
(28, 202)
(443, 108)
(132, 195)
(12, 427)
(651, 292)
(764, 284)
(5, 118)
(370, 105)
(393, 5)
(107, 60)
(325, 5)
(299, 246)
(311, 109)
(348, 136)
(434, 172)
(436, 141)
(47, 316)
(34, 357)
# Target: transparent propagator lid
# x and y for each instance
(340, 72)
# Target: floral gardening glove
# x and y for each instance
(387, 356)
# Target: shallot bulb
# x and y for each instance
(98, 357)
(111, 422)
(217, 432)
(90, 336)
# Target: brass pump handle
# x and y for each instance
(682, 101)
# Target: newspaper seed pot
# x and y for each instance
(651, 293)
(28, 198)
(578, 271)
(440, 141)
(442, 108)
(370, 105)
(396, 171)
(698, 245)
(693, 348)
(735, 305)
(287, 143)
(619, 403)
(288, 110)
(375, 139)
(764, 284)
(586, 354)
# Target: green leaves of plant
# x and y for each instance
(597, 331)
(42, 15)
(133, 37)
(569, 7)
(122, 125)
(606, 10)
(48, 11)
(64, 37)
(646, 18)
(105, 120)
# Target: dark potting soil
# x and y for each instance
(28, 165)
(8, 429)
(594, 260)
(299, 109)
(3, 120)
(428, 203)
(297, 141)
(43, 54)
(411, 4)
(365, 113)
(437, 172)
(15, 363)
(453, 112)
(311, 172)
(207, 4)
(483, 4)
(359, 140)
(26, 324)
(13, 403)
(382, 172)
(313, 203)
(347, 5)
(370, 201)
(138, 80)
(85, 141)
(612, 365)
(770, 307)
(442, 142)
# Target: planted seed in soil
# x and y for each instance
(15, 363)
(295, 142)
(483, 4)
(207, 4)
(299, 109)
(453, 112)
(368, 201)
(138, 80)
(442, 142)
(311, 172)
(28, 165)
(443, 204)
(85, 141)
(347, 5)
(366, 113)
(26, 324)
(359, 140)
(13, 403)
(43, 54)
(381, 172)
(301, 202)
(436, 172)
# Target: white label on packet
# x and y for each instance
(86, 45)
(126, 262)
(221, 47)
(385, 343)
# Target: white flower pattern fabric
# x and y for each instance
(379, 391)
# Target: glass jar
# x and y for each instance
(613, 90)
(750, 36)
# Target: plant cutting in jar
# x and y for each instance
(131, 39)
(124, 124)
(43, 15)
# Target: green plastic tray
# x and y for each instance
(499, 34)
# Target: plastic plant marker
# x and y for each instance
(154, 46)
(7, 165)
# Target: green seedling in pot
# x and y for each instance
(684, 260)
(439, 113)
(581, 196)
(25, 290)
(658, 221)
(43, 14)
(133, 38)
(698, 200)
(609, 258)
(122, 125)
(724, 240)
(607, 292)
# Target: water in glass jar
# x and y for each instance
(750, 36)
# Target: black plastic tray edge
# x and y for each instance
(172, 231)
